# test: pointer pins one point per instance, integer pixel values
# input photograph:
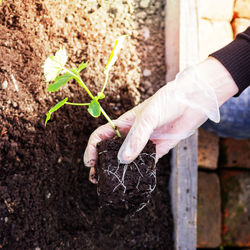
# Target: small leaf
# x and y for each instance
(59, 82)
(82, 66)
(114, 54)
(53, 65)
(47, 118)
(58, 105)
(94, 108)
(55, 108)
(100, 95)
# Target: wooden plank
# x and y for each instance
(182, 51)
(184, 193)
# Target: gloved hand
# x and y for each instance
(173, 113)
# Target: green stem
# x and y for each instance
(81, 83)
(111, 122)
(79, 80)
(77, 104)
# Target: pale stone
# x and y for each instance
(242, 8)
(141, 15)
(144, 3)
(147, 72)
(208, 149)
(48, 195)
(146, 33)
(213, 35)
(217, 10)
(240, 24)
(4, 84)
(208, 211)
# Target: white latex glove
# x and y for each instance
(173, 113)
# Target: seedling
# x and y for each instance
(55, 71)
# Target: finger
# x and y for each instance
(101, 133)
(135, 141)
(92, 176)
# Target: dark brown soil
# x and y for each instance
(125, 188)
(46, 200)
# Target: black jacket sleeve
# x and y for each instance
(236, 59)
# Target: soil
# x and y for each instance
(124, 188)
(46, 200)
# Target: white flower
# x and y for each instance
(54, 64)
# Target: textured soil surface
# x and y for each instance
(46, 200)
(124, 188)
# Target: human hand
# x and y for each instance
(173, 113)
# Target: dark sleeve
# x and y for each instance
(236, 59)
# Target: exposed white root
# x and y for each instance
(122, 181)
(153, 173)
(98, 191)
(119, 184)
(142, 161)
(138, 169)
(119, 180)
(104, 151)
(108, 170)
(142, 206)
(117, 168)
(153, 155)
(138, 183)
(151, 189)
(124, 172)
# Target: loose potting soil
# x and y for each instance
(46, 200)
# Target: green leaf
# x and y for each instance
(100, 95)
(55, 108)
(62, 80)
(59, 82)
(94, 108)
(82, 66)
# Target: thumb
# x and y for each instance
(135, 141)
